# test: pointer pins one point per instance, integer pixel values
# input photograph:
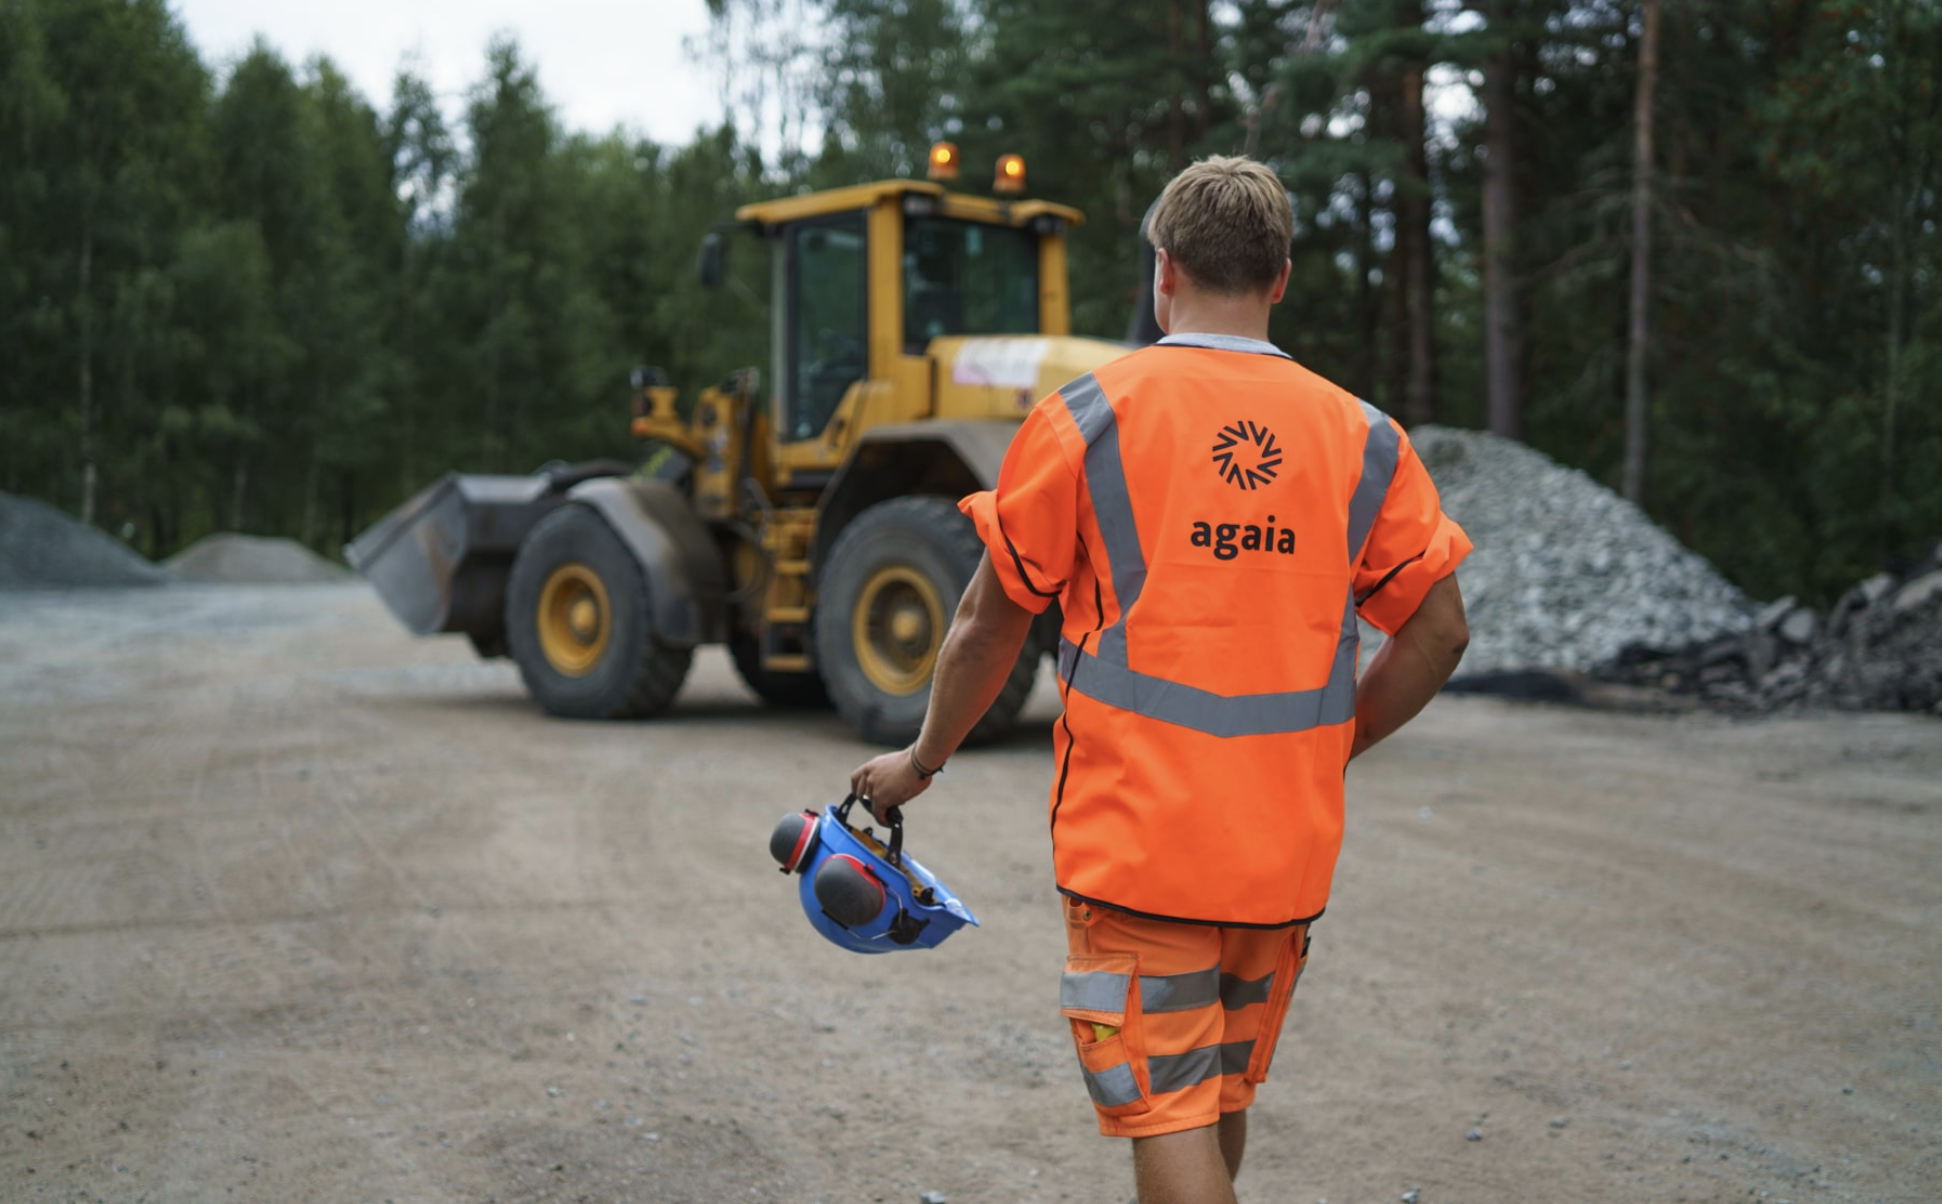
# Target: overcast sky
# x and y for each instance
(601, 63)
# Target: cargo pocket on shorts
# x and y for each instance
(1099, 996)
(1287, 972)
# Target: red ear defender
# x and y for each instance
(849, 893)
(793, 840)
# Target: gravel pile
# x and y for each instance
(1880, 648)
(254, 560)
(40, 547)
(1566, 574)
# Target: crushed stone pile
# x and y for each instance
(253, 560)
(1880, 648)
(1566, 574)
(42, 548)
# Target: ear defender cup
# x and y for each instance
(793, 840)
(849, 893)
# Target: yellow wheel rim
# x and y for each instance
(897, 627)
(574, 622)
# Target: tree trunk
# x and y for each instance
(408, 396)
(1312, 41)
(1395, 377)
(1368, 305)
(348, 507)
(159, 538)
(239, 485)
(89, 473)
(1638, 411)
(1413, 216)
(1891, 394)
(1204, 71)
(310, 500)
(1176, 115)
(1503, 329)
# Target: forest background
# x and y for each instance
(246, 297)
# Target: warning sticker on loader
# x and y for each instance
(1003, 363)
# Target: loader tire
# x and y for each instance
(578, 624)
(780, 690)
(885, 598)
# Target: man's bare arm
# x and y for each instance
(978, 654)
(1411, 666)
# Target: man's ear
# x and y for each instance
(1281, 282)
(1166, 280)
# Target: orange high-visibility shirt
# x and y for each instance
(1211, 517)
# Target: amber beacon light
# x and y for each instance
(1010, 177)
(944, 161)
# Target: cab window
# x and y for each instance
(828, 264)
(967, 278)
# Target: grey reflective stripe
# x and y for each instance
(1096, 991)
(1237, 993)
(1179, 992)
(1112, 505)
(1177, 1072)
(1224, 342)
(1235, 1055)
(1110, 677)
(1087, 403)
(1379, 454)
(1112, 1087)
(1111, 682)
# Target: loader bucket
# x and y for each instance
(440, 561)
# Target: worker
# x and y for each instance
(1211, 517)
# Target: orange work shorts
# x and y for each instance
(1175, 1023)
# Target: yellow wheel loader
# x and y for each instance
(811, 525)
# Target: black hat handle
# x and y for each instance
(896, 822)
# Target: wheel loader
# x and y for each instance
(805, 517)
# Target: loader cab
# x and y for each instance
(863, 279)
(954, 277)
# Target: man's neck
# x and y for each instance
(1239, 317)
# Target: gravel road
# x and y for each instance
(294, 907)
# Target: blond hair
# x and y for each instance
(1226, 222)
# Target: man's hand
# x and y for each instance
(887, 782)
(978, 654)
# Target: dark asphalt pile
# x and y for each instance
(42, 548)
(233, 559)
(1879, 648)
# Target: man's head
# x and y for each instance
(1225, 223)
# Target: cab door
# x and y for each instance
(822, 330)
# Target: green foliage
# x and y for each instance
(892, 84)
(299, 310)
(265, 303)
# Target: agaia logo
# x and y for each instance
(1246, 455)
(1228, 540)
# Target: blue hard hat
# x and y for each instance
(860, 893)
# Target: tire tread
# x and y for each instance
(657, 674)
(940, 518)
